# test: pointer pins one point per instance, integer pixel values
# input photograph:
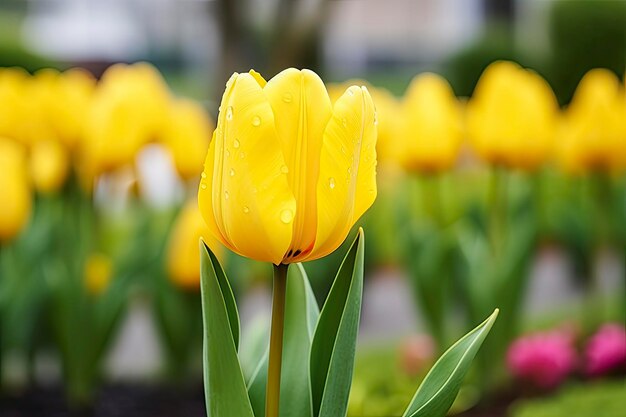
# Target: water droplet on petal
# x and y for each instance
(203, 186)
(227, 153)
(203, 175)
(256, 121)
(331, 183)
(236, 144)
(287, 98)
(229, 113)
(351, 92)
(343, 149)
(242, 154)
(349, 171)
(232, 172)
(226, 195)
(284, 169)
(344, 122)
(286, 216)
(246, 209)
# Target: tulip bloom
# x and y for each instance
(288, 173)
(544, 359)
(387, 119)
(432, 125)
(128, 110)
(593, 135)
(187, 136)
(606, 350)
(49, 165)
(511, 119)
(16, 206)
(98, 272)
(183, 258)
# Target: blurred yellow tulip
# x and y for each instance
(388, 120)
(183, 256)
(75, 89)
(512, 117)
(593, 133)
(98, 273)
(288, 173)
(187, 136)
(49, 165)
(16, 203)
(432, 131)
(128, 110)
(13, 114)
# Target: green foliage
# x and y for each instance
(334, 341)
(319, 349)
(437, 392)
(225, 388)
(465, 67)
(600, 399)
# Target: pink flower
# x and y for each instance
(544, 359)
(606, 350)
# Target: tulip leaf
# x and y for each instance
(257, 384)
(334, 341)
(301, 313)
(439, 389)
(224, 384)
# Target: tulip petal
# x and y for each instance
(250, 199)
(205, 196)
(301, 100)
(347, 183)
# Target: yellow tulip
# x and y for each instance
(288, 173)
(388, 120)
(98, 273)
(49, 165)
(41, 98)
(512, 117)
(12, 111)
(183, 256)
(16, 196)
(128, 110)
(432, 125)
(187, 136)
(75, 91)
(593, 134)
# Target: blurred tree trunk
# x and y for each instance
(500, 10)
(293, 38)
(230, 24)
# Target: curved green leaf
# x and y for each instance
(224, 385)
(334, 341)
(437, 392)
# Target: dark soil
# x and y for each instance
(121, 400)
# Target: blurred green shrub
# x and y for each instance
(602, 399)
(585, 34)
(464, 68)
(12, 52)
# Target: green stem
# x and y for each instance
(272, 396)
(497, 210)
(431, 196)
